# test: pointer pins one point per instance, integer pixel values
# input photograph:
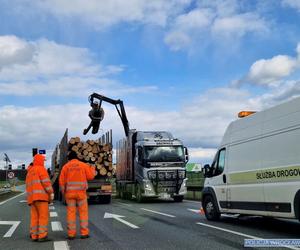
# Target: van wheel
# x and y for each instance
(210, 209)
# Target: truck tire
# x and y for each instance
(105, 199)
(138, 195)
(210, 209)
(178, 198)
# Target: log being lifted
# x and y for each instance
(93, 153)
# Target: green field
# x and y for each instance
(2, 183)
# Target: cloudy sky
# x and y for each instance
(186, 66)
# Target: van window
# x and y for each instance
(221, 162)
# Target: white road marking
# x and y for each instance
(61, 245)
(14, 225)
(3, 202)
(155, 212)
(56, 226)
(247, 236)
(51, 207)
(194, 210)
(198, 202)
(53, 214)
(118, 218)
(128, 205)
(23, 201)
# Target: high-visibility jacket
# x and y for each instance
(38, 185)
(74, 176)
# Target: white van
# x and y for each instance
(256, 170)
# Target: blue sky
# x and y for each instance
(184, 66)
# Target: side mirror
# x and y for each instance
(186, 154)
(206, 170)
(139, 155)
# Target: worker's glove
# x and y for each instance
(51, 197)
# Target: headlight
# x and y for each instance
(152, 175)
(181, 174)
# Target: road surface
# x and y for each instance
(153, 225)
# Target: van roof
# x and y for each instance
(278, 117)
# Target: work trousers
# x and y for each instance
(39, 213)
(74, 201)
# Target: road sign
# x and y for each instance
(10, 175)
(42, 151)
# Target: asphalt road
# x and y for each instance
(159, 224)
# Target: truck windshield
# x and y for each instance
(164, 153)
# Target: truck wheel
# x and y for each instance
(210, 209)
(178, 198)
(138, 195)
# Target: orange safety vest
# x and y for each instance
(74, 176)
(38, 185)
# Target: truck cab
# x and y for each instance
(157, 162)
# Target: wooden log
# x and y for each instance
(109, 174)
(85, 152)
(103, 171)
(106, 163)
(85, 145)
(87, 158)
(80, 156)
(72, 141)
(75, 149)
(91, 142)
(90, 154)
(77, 139)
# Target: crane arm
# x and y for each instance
(95, 106)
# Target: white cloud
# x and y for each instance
(239, 25)
(200, 123)
(218, 20)
(270, 72)
(103, 14)
(292, 3)
(46, 68)
(14, 51)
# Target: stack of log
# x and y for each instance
(93, 153)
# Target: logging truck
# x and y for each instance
(151, 164)
(93, 152)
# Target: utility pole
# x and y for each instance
(7, 160)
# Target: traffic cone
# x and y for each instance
(202, 211)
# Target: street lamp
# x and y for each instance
(7, 160)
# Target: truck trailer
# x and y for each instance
(256, 170)
(151, 164)
(99, 189)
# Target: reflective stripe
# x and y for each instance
(71, 205)
(36, 192)
(84, 221)
(45, 180)
(43, 226)
(76, 188)
(34, 233)
(33, 228)
(86, 227)
(43, 231)
(72, 227)
(33, 182)
(77, 183)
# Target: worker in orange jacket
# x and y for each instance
(39, 194)
(73, 184)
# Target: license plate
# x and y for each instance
(165, 196)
